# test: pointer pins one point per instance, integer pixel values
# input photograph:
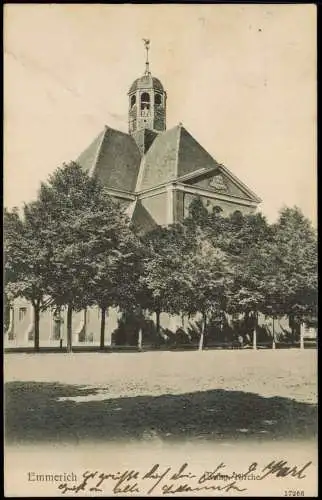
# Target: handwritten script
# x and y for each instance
(165, 480)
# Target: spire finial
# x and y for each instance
(147, 47)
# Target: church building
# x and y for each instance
(154, 173)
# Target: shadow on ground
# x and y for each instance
(34, 413)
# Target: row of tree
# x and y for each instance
(73, 246)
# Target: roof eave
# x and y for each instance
(240, 184)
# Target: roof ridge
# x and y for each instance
(240, 184)
(130, 209)
(140, 174)
(201, 146)
(197, 173)
(92, 169)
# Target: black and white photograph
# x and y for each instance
(160, 250)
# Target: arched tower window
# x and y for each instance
(157, 99)
(133, 100)
(145, 101)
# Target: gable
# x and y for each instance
(220, 183)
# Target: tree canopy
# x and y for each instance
(74, 246)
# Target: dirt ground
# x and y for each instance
(168, 395)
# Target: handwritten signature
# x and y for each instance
(169, 481)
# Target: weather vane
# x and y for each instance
(147, 47)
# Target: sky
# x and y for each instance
(240, 78)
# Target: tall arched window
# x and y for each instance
(133, 100)
(145, 101)
(157, 99)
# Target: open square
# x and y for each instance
(168, 396)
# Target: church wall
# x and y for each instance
(157, 206)
(85, 326)
(112, 322)
(78, 325)
(91, 330)
(92, 319)
(22, 331)
(178, 205)
(22, 318)
(226, 206)
(46, 327)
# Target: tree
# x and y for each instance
(275, 266)
(162, 275)
(85, 227)
(117, 274)
(277, 274)
(292, 268)
(198, 215)
(242, 239)
(247, 242)
(247, 293)
(206, 278)
(26, 259)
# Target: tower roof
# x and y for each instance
(146, 82)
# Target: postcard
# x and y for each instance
(160, 250)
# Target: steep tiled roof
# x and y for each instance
(88, 157)
(114, 157)
(118, 159)
(192, 156)
(160, 160)
(174, 153)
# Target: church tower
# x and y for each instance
(147, 101)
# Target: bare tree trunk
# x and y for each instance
(141, 318)
(69, 327)
(255, 332)
(274, 342)
(202, 336)
(102, 334)
(36, 324)
(157, 316)
(302, 336)
(140, 339)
